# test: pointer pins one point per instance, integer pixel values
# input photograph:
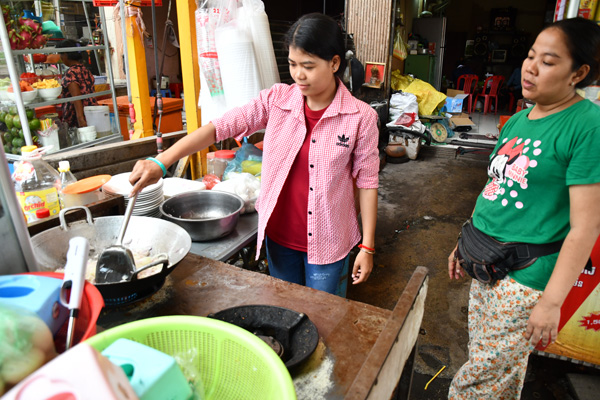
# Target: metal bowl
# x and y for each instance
(204, 214)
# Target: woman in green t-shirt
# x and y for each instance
(544, 187)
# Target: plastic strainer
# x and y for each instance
(233, 363)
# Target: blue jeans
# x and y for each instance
(293, 266)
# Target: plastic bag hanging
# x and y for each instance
(206, 23)
(258, 24)
(209, 15)
(399, 46)
(239, 69)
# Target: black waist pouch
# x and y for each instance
(488, 260)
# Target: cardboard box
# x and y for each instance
(455, 104)
(461, 119)
(579, 326)
(453, 92)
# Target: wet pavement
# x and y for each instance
(422, 204)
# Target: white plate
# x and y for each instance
(146, 206)
(148, 211)
(119, 184)
(144, 200)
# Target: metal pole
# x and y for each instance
(87, 21)
(573, 9)
(111, 79)
(38, 7)
(14, 79)
(13, 208)
(57, 12)
(159, 103)
(126, 61)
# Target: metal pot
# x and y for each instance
(204, 214)
(143, 234)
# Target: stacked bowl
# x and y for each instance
(148, 201)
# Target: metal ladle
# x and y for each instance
(116, 263)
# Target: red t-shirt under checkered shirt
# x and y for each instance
(288, 223)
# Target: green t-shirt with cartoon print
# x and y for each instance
(526, 198)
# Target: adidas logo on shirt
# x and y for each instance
(343, 141)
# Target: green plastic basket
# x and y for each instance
(232, 362)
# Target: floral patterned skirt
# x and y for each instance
(498, 352)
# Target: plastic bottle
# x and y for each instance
(36, 184)
(66, 178)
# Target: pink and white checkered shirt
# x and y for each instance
(343, 148)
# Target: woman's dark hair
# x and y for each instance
(319, 35)
(582, 37)
(71, 55)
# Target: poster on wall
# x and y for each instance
(374, 74)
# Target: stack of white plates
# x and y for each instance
(148, 201)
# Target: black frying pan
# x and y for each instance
(296, 333)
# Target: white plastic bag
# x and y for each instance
(402, 103)
(245, 185)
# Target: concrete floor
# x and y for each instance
(422, 204)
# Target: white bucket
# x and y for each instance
(98, 116)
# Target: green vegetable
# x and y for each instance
(17, 121)
(8, 120)
(8, 137)
(18, 143)
(35, 124)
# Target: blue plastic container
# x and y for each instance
(153, 374)
(31, 15)
(38, 294)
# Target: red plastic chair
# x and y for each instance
(511, 101)
(490, 90)
(470, 82)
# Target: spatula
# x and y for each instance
(116, 263)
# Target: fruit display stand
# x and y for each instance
(23, 104)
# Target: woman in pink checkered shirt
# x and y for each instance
(320, 142)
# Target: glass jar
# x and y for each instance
(220, 161)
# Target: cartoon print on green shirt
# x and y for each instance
(509, 167)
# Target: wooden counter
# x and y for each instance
(362, 348)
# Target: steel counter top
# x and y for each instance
(223, 249)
